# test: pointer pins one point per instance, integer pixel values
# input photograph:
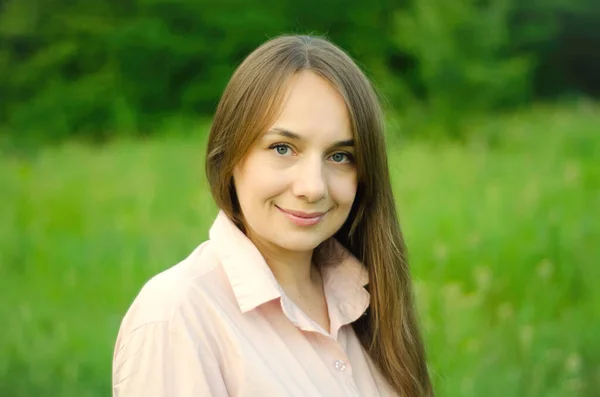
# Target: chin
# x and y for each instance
(299, 245)
(301, 240)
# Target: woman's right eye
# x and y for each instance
(281, 149)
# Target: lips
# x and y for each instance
(301, 218)
(302, 214)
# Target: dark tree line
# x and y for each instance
(105, 67)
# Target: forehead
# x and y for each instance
(314, 109)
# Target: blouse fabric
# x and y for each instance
(218, 324)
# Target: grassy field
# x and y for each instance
(504, 241)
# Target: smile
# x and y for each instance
(303, 218)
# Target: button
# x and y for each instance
(340, 365)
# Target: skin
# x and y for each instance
(303, 162)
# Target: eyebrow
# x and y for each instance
(292, 135)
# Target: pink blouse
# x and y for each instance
(218, 324)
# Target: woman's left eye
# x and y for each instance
(340, 157)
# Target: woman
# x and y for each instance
(303, 288)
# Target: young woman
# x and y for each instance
(303, 288)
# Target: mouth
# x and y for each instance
(301, 218)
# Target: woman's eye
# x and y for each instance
(340, 157)
(281, 149)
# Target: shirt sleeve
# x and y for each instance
(156, 361)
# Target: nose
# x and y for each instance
(309, 182)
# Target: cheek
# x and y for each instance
(258, 180)
(343, 189)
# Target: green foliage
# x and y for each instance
(503, 245)
(94, 68)
(564, 38)
(100, 68)
(461, 47)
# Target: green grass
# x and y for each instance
(503, 235)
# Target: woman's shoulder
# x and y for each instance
(191, 285)
(172, 317)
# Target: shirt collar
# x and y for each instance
(253, 282)
(251, 279)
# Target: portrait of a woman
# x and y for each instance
(303, 287)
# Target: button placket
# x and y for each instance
(340, 365)
(348, 383)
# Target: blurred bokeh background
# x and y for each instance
(494, 140)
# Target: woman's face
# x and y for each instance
(296, 185)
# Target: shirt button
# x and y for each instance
(340, 365)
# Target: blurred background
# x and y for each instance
(494, 140)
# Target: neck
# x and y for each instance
(293, 270)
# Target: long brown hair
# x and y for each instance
(250, 103)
